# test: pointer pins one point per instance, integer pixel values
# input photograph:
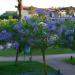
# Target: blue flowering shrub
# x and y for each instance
(31, 29)
(67, 34)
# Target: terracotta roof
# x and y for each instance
(23, 8)
(65, 8)
(52, 9)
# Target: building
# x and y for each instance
(24, 11)
(27, 11)
(66, 11)
(53, 12)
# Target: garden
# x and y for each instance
(36, 35)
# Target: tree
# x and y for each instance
(33, 33)
(19, 8)
(41, 35)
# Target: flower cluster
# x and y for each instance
(40, 11)
(16, 45)
(5, 35)
(35, 31)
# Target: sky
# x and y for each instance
(9, 5)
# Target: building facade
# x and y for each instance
(67, 11)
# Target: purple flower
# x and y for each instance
(19, 26)
(16, 45)
(28, 18)
(51, 23)
(62, 19)
(72, 18)
(53, 28)
(54, 22)
(5, 35)
(40, 11)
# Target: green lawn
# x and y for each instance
(70, 61)
(54, 51)
(12, 52)
(8, 52)
(9, 68)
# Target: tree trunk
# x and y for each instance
(17, 54)
(19, 9)
(44, 61)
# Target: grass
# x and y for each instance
(70, 61)
(12, 52)
(53, 51)
(8, 52)
(9, 68)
